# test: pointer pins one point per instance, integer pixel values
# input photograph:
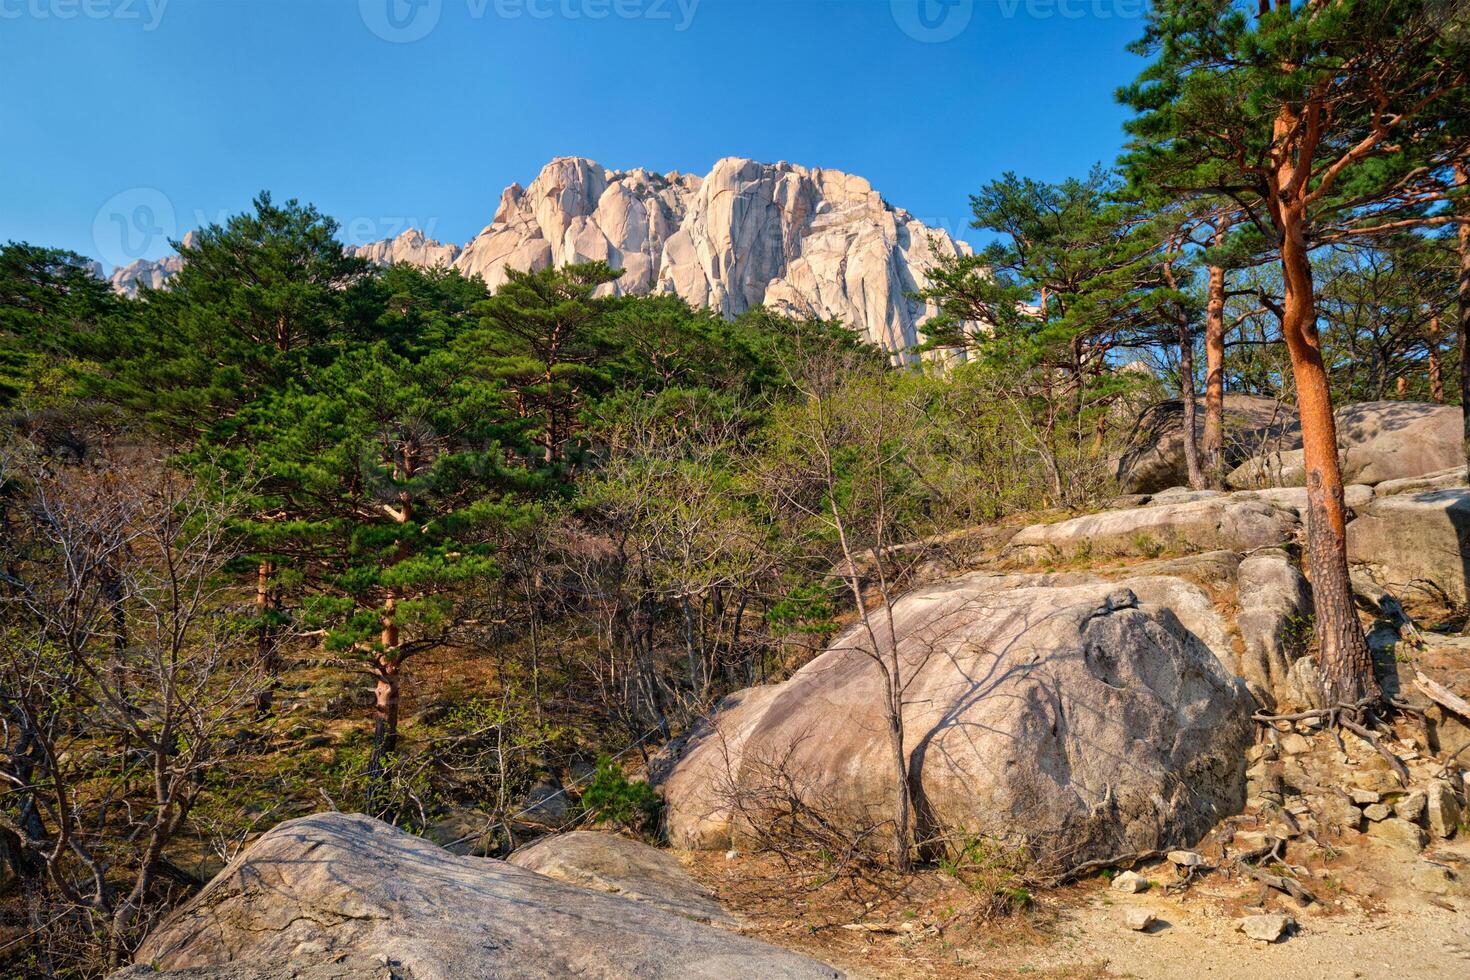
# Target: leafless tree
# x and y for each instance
(848, 468)
(124, 655)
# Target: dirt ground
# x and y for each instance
(1368, 923)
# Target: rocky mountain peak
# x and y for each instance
(805, 241)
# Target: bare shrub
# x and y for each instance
(125, 654)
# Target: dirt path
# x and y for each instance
(1369, 922)
(1197, 937)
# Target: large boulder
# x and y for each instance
(318, 891)
(1154, 458)
(1275, 602)
(1278, 468)
(1073, 722)
(1416, 543)
(623, 867)
(1215, 523)
(1377, 442)
(1381, 441)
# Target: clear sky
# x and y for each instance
(121, 119)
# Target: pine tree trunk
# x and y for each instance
(385, 708)
(1343, 657)
(1214, 435)
(1186, 391)
(1436, 373)
(1462, 180)
(265, 646)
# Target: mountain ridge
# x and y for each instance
(805, 241)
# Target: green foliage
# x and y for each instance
(1044, 312)
(265, 298)
(993, 871)
(1377, 86)
(49, 302)
(806, 608)
(614, 799)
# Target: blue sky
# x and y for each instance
(126, 118)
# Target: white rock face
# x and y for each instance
(411, 247)
(152, 273)
(801, 241)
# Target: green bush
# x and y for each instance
(613, 798)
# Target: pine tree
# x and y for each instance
(1075, 278)
(50, 302)
(380, 481)
(258, 301)
(1318, 120)
(547, 331)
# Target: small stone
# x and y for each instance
(1436, 879)
(1442, 808)
(1377, 812)
(731, 855)
(1131, 882)
(1411, 807)
(1186, 859)
(1365, 797)
(1258, 752)
(1139, 919)
(1399, 833)
(1294, 744)
(1264, 928)
(1377, 780)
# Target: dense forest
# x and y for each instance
(297, 532)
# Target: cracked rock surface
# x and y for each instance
(342, 895)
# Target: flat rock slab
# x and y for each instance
(623, 867)
(316, 892)
(1416, 543)
(1355, 495)
(1215, 523)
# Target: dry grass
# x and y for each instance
(923, 925)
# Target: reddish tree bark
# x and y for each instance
(1462, 181)
(1342, 656)
(1214, 435)
(1436, 374)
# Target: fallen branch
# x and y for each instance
(1279, 882)
(1116, 861)
(1442, 695)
